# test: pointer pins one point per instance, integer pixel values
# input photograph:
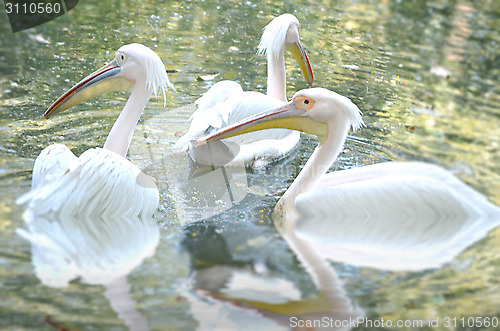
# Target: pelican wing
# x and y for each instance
(389, 169)
(394, 220)
(225, 104)
(52, 163)
(212, 111)
(248, 104)
(99, 182)
(259, 147)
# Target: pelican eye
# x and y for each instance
(120, 58)
(303, 102)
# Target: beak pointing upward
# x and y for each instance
(106, 79)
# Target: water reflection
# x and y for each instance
(227, 290)
(197, 191)
(208, 191)
(227, 293)
(101, 250)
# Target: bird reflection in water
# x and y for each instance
(227, 293)
(101, 250)
(205, 190)
(91, 217)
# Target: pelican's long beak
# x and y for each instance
(285, 117)
(299, 54)
(106, 79)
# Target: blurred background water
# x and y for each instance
(424, 73)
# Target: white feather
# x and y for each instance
(52, 162)
(156, 75)
(363, 221)
(212, 111)
(99, 182)
(226, 103)
(274, 35)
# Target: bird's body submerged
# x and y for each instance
(395, 215)
(368, 192)
(102, 181)
(226, 102)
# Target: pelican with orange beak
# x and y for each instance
(392, 215)
(102, 180)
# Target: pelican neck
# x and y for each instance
(276, 75)
(121, 133)
(321, 159)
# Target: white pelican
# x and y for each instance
(102, 181)
(226, 103)
(394, 215)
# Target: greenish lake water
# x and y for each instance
(424, 73)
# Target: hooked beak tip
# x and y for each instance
(200, 142)
(48, 113)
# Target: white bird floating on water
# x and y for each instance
(394, 215)
(226, 103)
(102, 181)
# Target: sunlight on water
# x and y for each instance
(424, 74)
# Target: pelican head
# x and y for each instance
(134, 64)
(324, 106)
(281, 34)
(314, 111)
